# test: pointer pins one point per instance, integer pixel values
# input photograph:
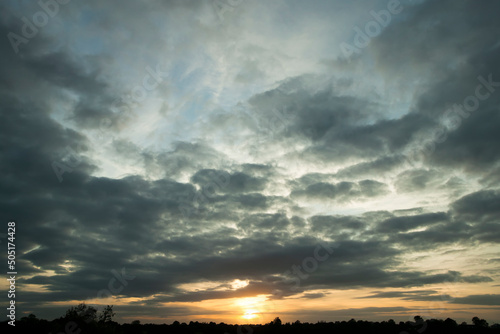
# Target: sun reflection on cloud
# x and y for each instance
(238, 284)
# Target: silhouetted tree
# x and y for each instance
(107, 314)
(82, 312)
(31, 318)
(479, 322)
(450, 322)
(74, 323)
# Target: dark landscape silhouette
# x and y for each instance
(86, 319)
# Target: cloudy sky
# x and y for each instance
(238, 160)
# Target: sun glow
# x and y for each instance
(252, 307)
(251, 314)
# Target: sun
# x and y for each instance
(252, 307)
(250, 314)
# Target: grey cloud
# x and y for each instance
(405, 223)
(264, 222)
(415, 180)
(342, 191)
(184, 159)
(236, 182)
(452, 61)
(490, 299)
(313, 295)
(379, 166)
(332, 224)
(440, 234)
(417, 295)
(481, 203)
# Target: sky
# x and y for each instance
(238, 160)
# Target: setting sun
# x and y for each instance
(250, 315)
(253, 308)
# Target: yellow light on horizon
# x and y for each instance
(250, 314)
(251, 307)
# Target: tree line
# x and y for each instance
(84, 319)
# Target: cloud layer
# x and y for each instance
(207, 151)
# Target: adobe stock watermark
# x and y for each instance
(3, 236)
(431, 311)
(372, 28)
(219, 180)
(116, 284)
(242, 329)
(89, 311)
(221, 7)
(128, 102)
(273, 123)
(123, 105)
(67, 164)
(453, 118)
(310, 264)
(30, 29)
(113, 288)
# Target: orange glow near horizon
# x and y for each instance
(252, 308)
(250, 315)
(334, 305)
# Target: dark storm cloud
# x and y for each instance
(182, 159)
(457, 58)
(414, 180)
(432, 295)
(483, 203)
(236, 182)
(378, 166)
(472, 217)
(309, 179)
(418, 295)
(313, 295)
(350, 313)
(373, 274)
(331, 224)
(480, 212)
(405, 223)
(337, 126)
(433, 236)
(34, 68)
(259, 170)
(492, 178)
(479, 300)
(342, 191)
(264, 222)
(254, 200)
(423, 38)
(321, 116)
(384, 136)
(352, 264)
